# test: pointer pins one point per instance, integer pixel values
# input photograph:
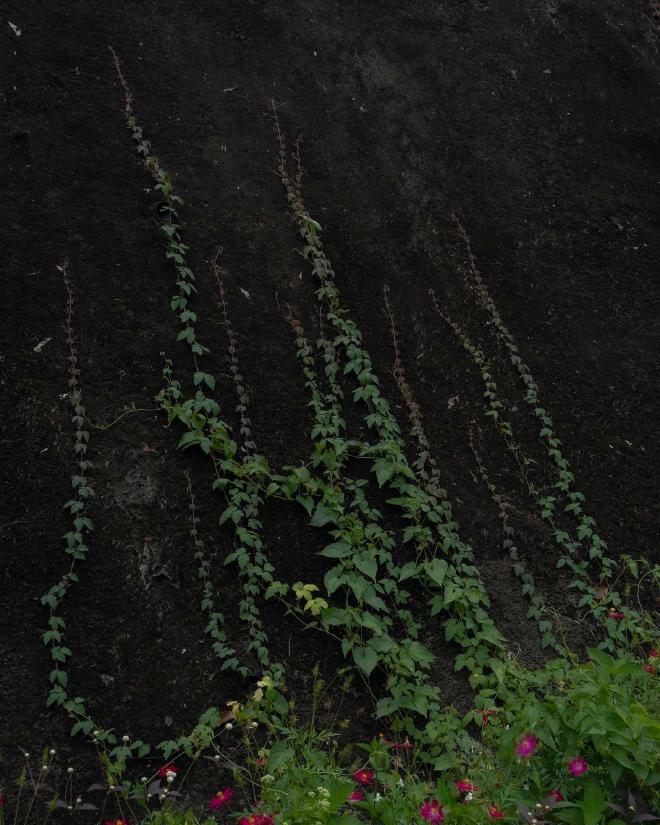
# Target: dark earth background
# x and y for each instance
(538, 121)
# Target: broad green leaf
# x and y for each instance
(365, 658)
(337, 550)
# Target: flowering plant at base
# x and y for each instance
(465, 786)
(364, 777)
(527, 746)
(577, 766)
(431, 811)
(220, 798)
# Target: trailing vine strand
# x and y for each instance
(604, 601)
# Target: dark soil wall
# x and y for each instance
(537, 120)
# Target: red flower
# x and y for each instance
(257, 819)
(364, 777)
(221, 797)
(356, 796)
(616, 614)
(485, 714)
(466, 786)
(431, 811)
(556, 795)
(2, 800)
(527, 745)
(116, 822)
(168, 769)
(649, 668)
(577, 766)
(495, 813)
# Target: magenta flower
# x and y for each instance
(364, 776)
(616, 614)
(485, 714)
(653, 654)
(527, 745)
(495, 813)
(577, 766)
(257, 819)
(431, 811)
(466, 786)
(356, 796)
(220, 798)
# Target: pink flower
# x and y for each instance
(466, 786)
(168, 769)
(577, 766)
(556, 795)
(364, 776)
(221, 797)
(495, 813)
(356, 796)
(257, 819)
(527, 745)
(616, 614)
(431, 811)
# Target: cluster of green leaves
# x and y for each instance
(364, 568)
(607, 711)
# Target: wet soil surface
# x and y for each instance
(536, 121)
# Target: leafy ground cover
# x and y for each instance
(455, 671)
